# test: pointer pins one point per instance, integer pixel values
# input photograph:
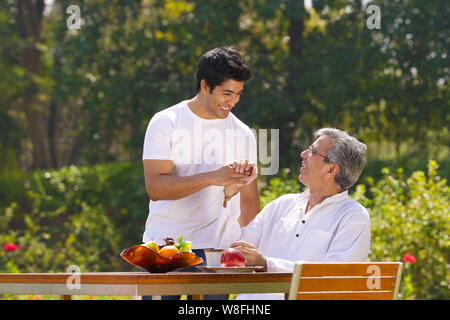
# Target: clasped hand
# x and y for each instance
(245, 168)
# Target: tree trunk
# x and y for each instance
(295, 11)
(75, 151)
(52, 132)
(29, 20)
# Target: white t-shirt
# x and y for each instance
(336, 230)
(196, 145)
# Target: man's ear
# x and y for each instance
(204, 87)
(334, 169)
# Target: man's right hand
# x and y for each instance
(227, 175)
(242, 167)
(246, 167)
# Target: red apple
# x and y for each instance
(232, 258)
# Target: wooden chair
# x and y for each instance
(346, 281)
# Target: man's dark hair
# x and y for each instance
(219, 65)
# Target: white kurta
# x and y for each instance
(336, 230)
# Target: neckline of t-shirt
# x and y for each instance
(196, 117)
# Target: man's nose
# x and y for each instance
(304, 154)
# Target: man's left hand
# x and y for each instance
(251, 254)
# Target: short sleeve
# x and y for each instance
(253, 149)
(157, 142)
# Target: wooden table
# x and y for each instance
(138, 284)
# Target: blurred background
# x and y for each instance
(78, 88)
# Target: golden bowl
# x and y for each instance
(145, 258)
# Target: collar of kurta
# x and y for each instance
(304, 196)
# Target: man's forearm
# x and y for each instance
(249, 210)
(250, 205)
(170, 187)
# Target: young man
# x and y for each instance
(322, 224)
(195, 149)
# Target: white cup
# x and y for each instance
(213, 257)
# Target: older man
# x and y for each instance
(322, 224)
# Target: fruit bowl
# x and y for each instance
(147, 259)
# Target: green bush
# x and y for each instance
(411, 215)
(75, 216)
(278, 186)
(374, 168)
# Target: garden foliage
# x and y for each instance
(75, 216)
(410, 215)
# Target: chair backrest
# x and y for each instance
(346, 281)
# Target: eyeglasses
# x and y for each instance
(313, 151)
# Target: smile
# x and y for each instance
(226, 109)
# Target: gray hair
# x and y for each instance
(348, 153)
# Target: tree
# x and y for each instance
(85, 96)
(29, 24)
